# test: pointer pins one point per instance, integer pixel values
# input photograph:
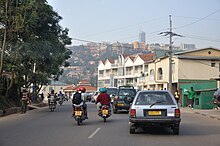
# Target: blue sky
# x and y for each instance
(121, 20)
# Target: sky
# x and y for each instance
(197, 21)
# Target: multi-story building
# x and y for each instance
(193, 65)
(195, 68)
(153, 73)
(124, 71)
(142, 36)
(188, 46)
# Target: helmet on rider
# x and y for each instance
(103, 90)
(83, 89)
(77, 90)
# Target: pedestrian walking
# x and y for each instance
(24, 100)
(191, 97)
(177, 96)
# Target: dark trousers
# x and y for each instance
(23, 106)
(177, 100)
(191, 102)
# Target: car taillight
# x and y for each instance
(177, 113)
(133, 113)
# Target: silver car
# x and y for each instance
(154, 108)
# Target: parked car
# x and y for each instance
(123, 98)
(154, 108)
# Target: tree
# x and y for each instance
(31, 37)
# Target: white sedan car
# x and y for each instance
(154, 108)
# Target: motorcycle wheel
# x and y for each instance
(104, 119)
(78, 122)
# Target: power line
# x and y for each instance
(210, 19)
(201, 38)
(197, 20)
(124, 27)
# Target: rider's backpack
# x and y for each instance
(77, 99)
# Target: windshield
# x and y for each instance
(158, 98)
(126, 92)
(111, 91)
(217, 92)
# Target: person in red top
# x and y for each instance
(103, 97)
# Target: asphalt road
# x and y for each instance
(44, 128)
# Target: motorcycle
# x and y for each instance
(78, 113)
(60, 100)
(105, 112)
(52, 103)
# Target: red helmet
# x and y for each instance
(77, 90)
(83, 89)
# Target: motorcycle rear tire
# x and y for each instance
(78, 121)
(104, 119)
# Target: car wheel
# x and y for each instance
(176, 130)
(132, 130)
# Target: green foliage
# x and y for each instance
(34, 40)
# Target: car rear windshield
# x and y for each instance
(158, 98)
(111, 91)
(126, 92)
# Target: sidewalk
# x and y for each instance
(14, 110)
(211, 113)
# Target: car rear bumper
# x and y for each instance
(165, 120)
(124, 107)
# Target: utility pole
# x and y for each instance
(171, 34)
(170, 57)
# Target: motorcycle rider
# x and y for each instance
(61, 96)
(52, 95)
(78, 97)
(103, 98)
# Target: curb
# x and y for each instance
(9, 111)
(14, 110)
(210, 116)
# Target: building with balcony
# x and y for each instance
(124, 71)
(145, 71)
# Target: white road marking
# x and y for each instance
(94, 133)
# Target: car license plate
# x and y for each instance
(104, 112)
(78, 113)
(154, 113)
(120, 104)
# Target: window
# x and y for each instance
(145, 68)
(160, 74)
(151, 75)
(152, 98)
(219, 67)
(212, 64)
